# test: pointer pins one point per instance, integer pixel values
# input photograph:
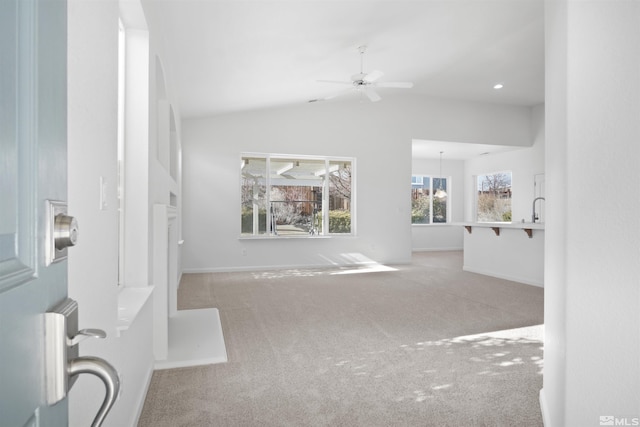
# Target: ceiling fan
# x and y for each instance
(364, 82)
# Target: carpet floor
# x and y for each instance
(423, 344)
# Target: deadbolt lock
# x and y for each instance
(65, 231)
(62, 232)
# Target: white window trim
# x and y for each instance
(122, 45)
(325, 194)
(449, 186)
(475, 196)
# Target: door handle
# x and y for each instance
(63, 363)
(87, 333)
(109, 376)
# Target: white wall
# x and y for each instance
(161, 184)
(592, 296)
(512, 255)
(93, 264)
(164, 127)
(92, 122)
(212, 150)
(440, 237)
(379, 136)
(524, 163)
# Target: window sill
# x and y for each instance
(437, 224)
(130, 302)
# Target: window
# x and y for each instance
(296, 195)
(429, 200)
(133, 147)
(494, 197)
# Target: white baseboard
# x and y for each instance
(143, 395)
(250, 268)
(543, 408)
(457, 248)
(282, 267)
(524, 280)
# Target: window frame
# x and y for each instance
(477, 195)
(432, 178)
(121, 147)
(324, 233)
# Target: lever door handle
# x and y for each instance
(63, 363)
(109, 376)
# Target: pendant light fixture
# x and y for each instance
(440, 193)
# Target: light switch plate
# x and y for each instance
(103, 193)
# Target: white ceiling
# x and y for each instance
(225, 56)
(455, 150)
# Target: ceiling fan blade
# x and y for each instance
(335, 81)
(371, 94)
(373, 76)
(402, 85)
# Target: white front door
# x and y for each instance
(33, 169)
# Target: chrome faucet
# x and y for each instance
(533, 215)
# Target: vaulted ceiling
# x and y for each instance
(225, 56)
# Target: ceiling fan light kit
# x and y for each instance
(364, 82)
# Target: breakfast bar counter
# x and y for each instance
(512, 251)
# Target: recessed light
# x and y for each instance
(498, 86)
